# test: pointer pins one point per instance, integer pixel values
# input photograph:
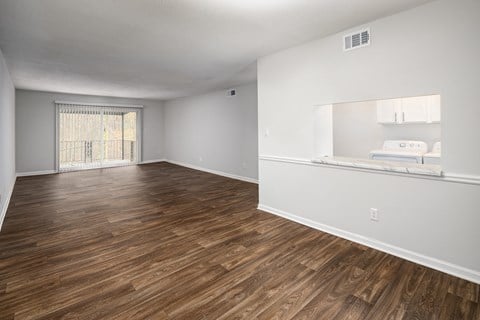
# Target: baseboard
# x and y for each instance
(35, 173)
(452, 269)
(7, 196)
(39, 173)
(218, 173)
(153, 161)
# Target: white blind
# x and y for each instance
(94, 136)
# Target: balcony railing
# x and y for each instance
(94, 151)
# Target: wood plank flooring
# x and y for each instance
(161, 241)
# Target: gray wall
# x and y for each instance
(7, 136)
(435, 221)
(356, 131)
(35, 127)
(215, 131)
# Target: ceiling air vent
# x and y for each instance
(356, 39)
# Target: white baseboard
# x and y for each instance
(452, 269)
(218, 173)
(153, 161)
(43, 172)
(35, 173)
(8, 196)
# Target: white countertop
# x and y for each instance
(402, 167)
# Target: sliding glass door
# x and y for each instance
(96, 136)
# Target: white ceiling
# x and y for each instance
(161, 49)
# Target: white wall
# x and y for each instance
(35, 127)
(355, 129)
(215, 131)
(427, 50)
(7, 137)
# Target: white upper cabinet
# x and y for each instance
(424, 109)
(387, 110)
(433, 107)
(414, 110)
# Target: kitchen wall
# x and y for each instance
(7, 137)
(426, 50)
(215, 132)
(35, 128)
(356, 131)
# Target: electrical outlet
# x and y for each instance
(374, 214)
(200, 158)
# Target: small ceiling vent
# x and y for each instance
(356, 40)
(231, 93)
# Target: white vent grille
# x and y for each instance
(356, 40)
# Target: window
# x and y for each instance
(90, 136)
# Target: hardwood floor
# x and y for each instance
(161, 241)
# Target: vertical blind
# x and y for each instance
(95, 136)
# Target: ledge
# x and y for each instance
(399, 167)
(446, 177)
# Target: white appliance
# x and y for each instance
(401, 151)
(433, 157)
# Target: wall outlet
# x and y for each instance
(200, 158)
(374, 214)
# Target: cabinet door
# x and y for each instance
(387, 110)
(414, 109)
(433, 108)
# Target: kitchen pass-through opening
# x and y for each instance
(399, 134)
